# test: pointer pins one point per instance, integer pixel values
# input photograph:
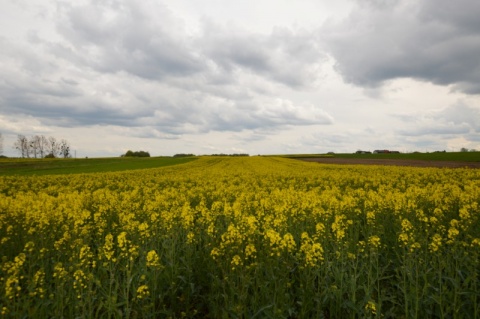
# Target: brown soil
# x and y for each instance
(395, 162)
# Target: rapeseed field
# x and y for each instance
(258, 237)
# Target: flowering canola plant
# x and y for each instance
(242, 237)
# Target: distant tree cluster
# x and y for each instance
(183, 155)
(40, 146)
(240, 154)
(136, 154)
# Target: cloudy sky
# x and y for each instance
(253, 76)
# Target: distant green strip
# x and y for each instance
(78, 166)
(440, 156)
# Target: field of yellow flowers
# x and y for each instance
(258, 237)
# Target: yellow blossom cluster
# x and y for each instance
(234, 214)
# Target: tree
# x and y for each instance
(64, 149)
(1, 144)
(129, 153)
(34, 146)
(21, 144)
(42, 146)
(53, 148)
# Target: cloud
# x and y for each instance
(435, 129)
(459, 120)
(433, 40)
(136, 65)
(145, 39)
(168, 74)
(149, 41)
(269, 114)
(460, 113)
(289, 57)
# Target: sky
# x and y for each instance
(253, 76)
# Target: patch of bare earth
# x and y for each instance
(394, 162)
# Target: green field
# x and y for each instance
(9, 166)
(440, 156)
(30, 166)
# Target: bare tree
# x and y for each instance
(34, 146)
(1, 144)
(22, 145)
(53, 147)
(64, 149)
(42, 145)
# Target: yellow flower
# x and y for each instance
(403, 238)
(80, 282)
(312, 251)
(406, 225)
(436, 243)
(236, 261)
(250, 251)
(29, 247)
(361, 246)
(464, 214)
(274, 240)
(108, 249)
(374, 241)
(12, 287)
(59, 272)
(320, 229)
(475, 242)
(39, 282)
(190, 237)
(452, 234)
(415, 246)
(215, 253)
(288, 243)
(153, 260)
(143, 292)
(370, 218)
(122, 241)
(371, 307)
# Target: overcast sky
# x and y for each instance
(253, 76)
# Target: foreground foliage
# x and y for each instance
(242, 238)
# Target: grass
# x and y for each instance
(9, 166)
(447, 156)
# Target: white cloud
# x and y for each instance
(197, 78)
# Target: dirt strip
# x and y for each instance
(394, 162)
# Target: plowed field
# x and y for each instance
(395, 162)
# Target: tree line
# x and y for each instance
(40, 146)
(129, 153)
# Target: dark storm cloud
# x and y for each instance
(433, 40)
